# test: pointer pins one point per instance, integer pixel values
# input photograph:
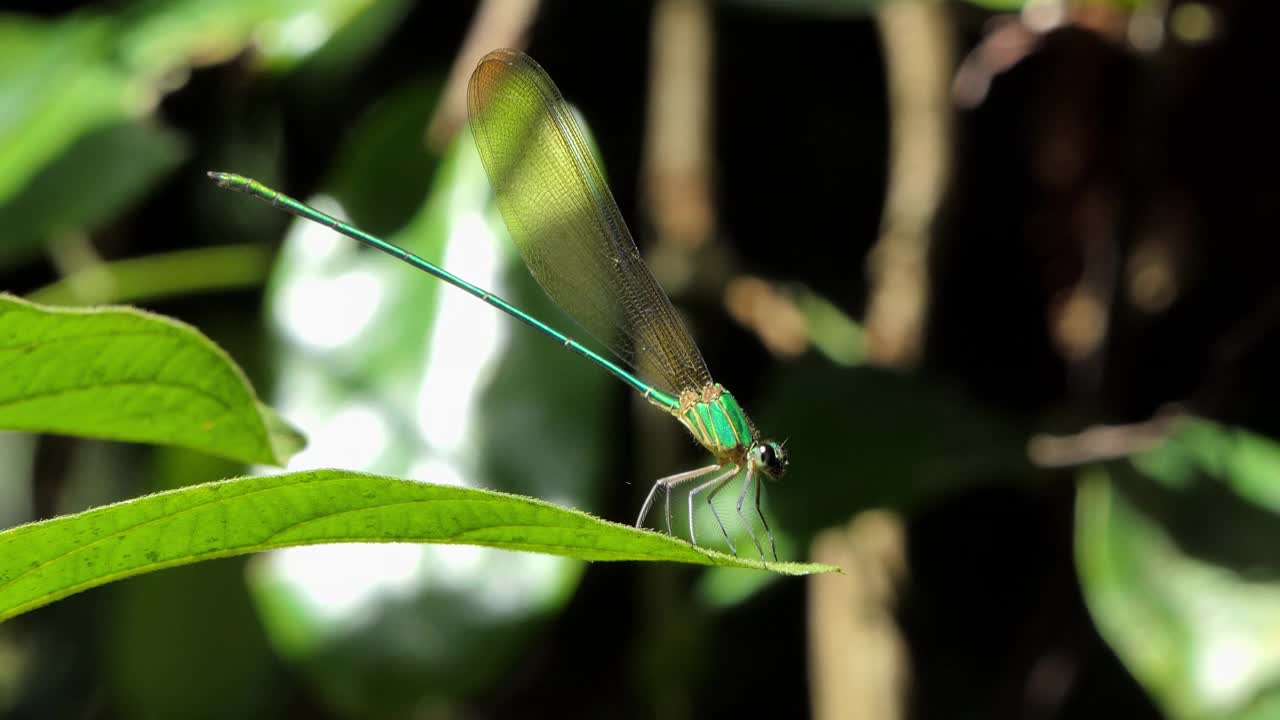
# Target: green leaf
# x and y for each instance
(76, 92)
(1247, 462)
(382, 172)
(45, 561)
(864, 437)
(102, 172)
(999, 5)
(54, 86)
(1176, 554)
(125, 374)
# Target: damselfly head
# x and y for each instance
(770, 457)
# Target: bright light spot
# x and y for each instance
(347, 582)
(325, 313)
(1152, 287)
(1226, 668)
(1193, 23)
(438, 472)
(1146, 31)
(302, 392)
(1080, 323)
(460, 567)
(1043, 15)
(314, 244)
(464, 340)
(355, 437)
(303, 33)
(524, 582)
(504, 583)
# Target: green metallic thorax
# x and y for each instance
(716, 421)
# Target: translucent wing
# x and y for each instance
(566, 224)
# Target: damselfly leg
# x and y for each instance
(666, 484)
(742, 496)
(717, 484)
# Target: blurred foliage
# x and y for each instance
(1126, 586)
(895, 435)
(856, 7)
(1010, 5)
(1174, 556)
(386, 368)
(159, 276)
(75, 147)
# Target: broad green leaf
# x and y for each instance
(125, 374)
(45, 561)
(1176, 554)
(145, 653)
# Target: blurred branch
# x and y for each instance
(497, 24)
(857, 658)
(677, 144)
(1100, 442)
(771, 314)
(918, 60)
(161, 275)
(72, 253)
(1007, 42)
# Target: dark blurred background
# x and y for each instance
(1003, 272)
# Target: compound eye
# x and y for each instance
(771, 458)
(768, 457)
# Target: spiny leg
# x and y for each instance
(760, 514)
(666, 484)
(746, 485)
(718, 482)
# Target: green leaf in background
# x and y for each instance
(1177, 558)
(442, 388)
(999, 5)
(45, 561)
(383, 171)
(101, 173)
(162, 35)
(124, 374)
(74, 144)
(1247, 462)
(865, 437)
(55, 85)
